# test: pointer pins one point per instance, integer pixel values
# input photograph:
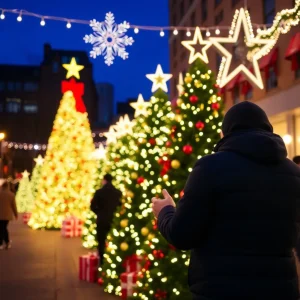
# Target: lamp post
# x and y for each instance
(2, 137)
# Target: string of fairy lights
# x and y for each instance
(136, 28)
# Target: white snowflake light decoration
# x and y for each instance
(109, 39)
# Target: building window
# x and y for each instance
(297, 72)
(181, 9)
(18, 86)
(272, 79)
(31, 86)
(269, 11)
(234, 2)
(13, 105)
(236, 94)
(204, 10)
(193, 19)
(55, 66)
(219, 17)
(217, 2)
(11, 86)
(30, 108)
(2, 85)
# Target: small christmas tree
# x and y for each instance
(195, 130)
(24, 197)
(36, 175)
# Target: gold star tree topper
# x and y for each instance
(124, 126)
(197, 40)
(241, 18)
(111, 136)
(159, 79)
(25, 174)
(100, 153)
(39, 160)
(141, 106)
(73, 69)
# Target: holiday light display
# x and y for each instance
(69, 170)
(194, 132)
(36, 175)
(159, 79)
(140, 173)
(24, 197)
(241, 18)
(197, 40)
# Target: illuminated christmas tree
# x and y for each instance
(24, 197)
(141, 173)
(36, 175)
(69, 170)
(195, 130)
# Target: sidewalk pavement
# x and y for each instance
(41, 265)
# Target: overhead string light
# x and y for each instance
(188, 33)
(69, 25)
(2, 16)
(136, 30)
(175, 31)
(162, 33)
(19, 18)
(43, 23)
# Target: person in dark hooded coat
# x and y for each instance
(239, 214)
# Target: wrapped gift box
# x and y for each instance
(26, 217)
(71, 227)
(88, 267)
(128, 283)
(133, 263)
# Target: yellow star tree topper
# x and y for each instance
(25, 174)
(111, 136)
(159, 79)
(197, 40)
(141, 106)
(39, 160)
(241, 18)
(73, 69)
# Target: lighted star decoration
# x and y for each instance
(100, 153)
(180, 88)
(111, 136)
(39, 160)
(73, 69)
(25, 174)
(197, 40)
(241, 17)
(141, 106)
(159, 79)
(124, 126)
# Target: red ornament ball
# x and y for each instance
(181, 194)
(152, 141)
(187, 149)
(200, 125)
(194, 99)
(215, 106)
(100, 281)
(168, 144)
(140, 180)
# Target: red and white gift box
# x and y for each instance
(88, 267)
(128, 283)
(133, 263)
(71, 227)
(26, 217)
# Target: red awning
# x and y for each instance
(294, 46)
(231, 84)
(269, 59)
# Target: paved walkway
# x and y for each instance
(44, 266)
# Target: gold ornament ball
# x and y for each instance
(130, 194)
(124, 246)
(144, 231)
(109, 249)
(201, 106)
(178, 118)
(175, 164)
(124, 223)
(134, 175)
(166, 177)
(188, 79)
(151, 236)
(179, 102)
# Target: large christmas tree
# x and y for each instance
(36, 175)
(24, 197)
(195, 131)
(141, 173)
(69, 170)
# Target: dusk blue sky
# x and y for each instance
(22, 42)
